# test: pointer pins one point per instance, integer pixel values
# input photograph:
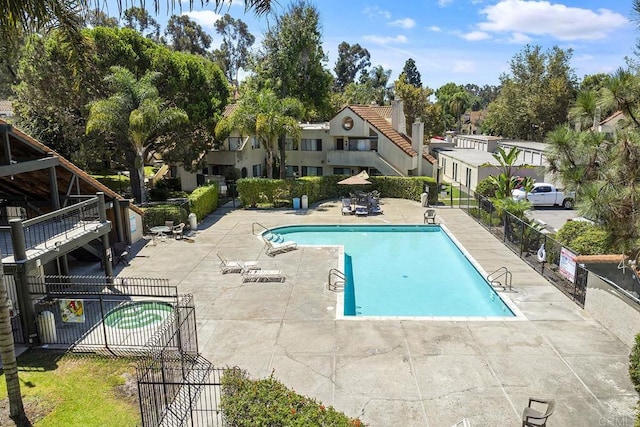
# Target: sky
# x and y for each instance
(460, 41)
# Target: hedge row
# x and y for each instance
(204, 200)
(159, 214)
(278, 192)
(268, 402)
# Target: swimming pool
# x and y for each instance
(404, 271)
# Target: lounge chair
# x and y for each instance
(263, 276)
(537, 418)
(430, 216)
(346, 207)
(462, 423)
(362, 210)
(227, 266)
(273, 248)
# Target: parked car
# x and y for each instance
(544, 194)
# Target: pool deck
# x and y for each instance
(393, 372)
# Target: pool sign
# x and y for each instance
(72, 310)
(568, 264)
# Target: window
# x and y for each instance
(255, 142)
(290, 144)
(467, 180)
(347, 123)
(311, 171)
(292, 171)
(311, 144)
(341, 171)
(235, 143)
(455, 171)
(257, 170)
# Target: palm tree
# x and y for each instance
(136, 118)
(505, 181)
(267, 117)
(459, 102)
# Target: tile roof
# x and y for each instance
(383, 110)
(429, 158)
(229, 109)
(6, 105)
(369, 113)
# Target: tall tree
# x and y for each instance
(585, 111)
(415, 99)
(98, 18)
(412, 73)
(186, 35)
(135, 117)
(453, 99)
(234, 53)
(292, 60)
(535, 97)
(137, 18)
(378, 80)
(352, 59)
(263, 114)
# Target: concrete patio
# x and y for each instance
(391, 372)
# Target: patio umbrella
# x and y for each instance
(359, 179)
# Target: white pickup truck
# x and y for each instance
(544, 194)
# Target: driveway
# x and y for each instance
(553, 218)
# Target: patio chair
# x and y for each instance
(346, 207)
(430, 216)
(178, 230)
(227, 266)
(120, 252)
(462, 423)
(263, 276)
(361, 210)
(273, 248)
(537, 417)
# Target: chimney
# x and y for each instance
(398, 120)
(417, 138)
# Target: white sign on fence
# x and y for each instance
(567, 264)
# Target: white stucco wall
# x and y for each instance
(614, 311)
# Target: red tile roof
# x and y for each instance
(369, 113)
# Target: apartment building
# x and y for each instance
(358, 138)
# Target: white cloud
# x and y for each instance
(205, 18)
(443, 3)
(403, 23)
(434, 28)
(475, 36)
(376, 11)
(386, 40)
(519, 38)
(543, 18)
(463, 66)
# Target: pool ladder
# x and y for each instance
(494, 277)
(253, 227)
(336, 280)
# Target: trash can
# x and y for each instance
(305, 202)
(424, 199)
(46, 323)
(296, 203)
(193, 221)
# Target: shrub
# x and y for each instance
(583, 237)
(487, 187)
(157, 215)
(204, 200)
(267, 402)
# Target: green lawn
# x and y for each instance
(66, 390)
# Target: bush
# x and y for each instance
(486, 187)
(267, 402)
(583, 237)
(157, 215)
(257, 191)
(204, 200)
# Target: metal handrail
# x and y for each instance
(253, 227)
(335, 286)
(504, 271)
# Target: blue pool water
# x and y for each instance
(404, 271)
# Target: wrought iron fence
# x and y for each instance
(177, 386)
(93, 313)
(529, 241)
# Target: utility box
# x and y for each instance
(193, 221)
(424, 199)
(46, 322)
(305, 202)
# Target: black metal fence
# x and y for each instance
(176, 386)
(529, 241)
(94, 313)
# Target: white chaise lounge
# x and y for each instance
(273, 248)
(263, 276)
(227, 266)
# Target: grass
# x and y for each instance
(68, 390)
